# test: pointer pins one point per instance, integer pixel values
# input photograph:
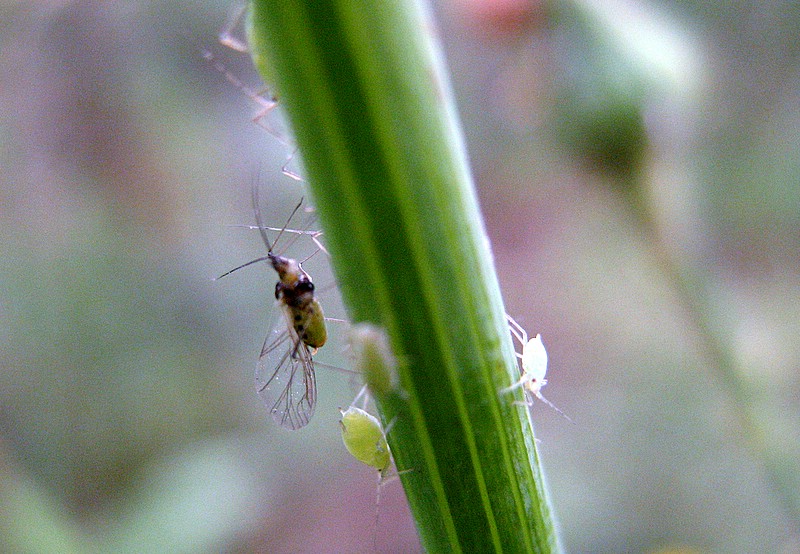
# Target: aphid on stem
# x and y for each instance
(534, 367)
(374, 360)
(365, 439)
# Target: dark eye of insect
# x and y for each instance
(305, 287)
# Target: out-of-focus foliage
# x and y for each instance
(128, 419)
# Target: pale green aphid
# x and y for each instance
(374, 359)
(364, 438)
(534, 366)
(285, 378)
(362, 433)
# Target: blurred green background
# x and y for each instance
(128, 419)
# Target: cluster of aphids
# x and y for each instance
(285, 377)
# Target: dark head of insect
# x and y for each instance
(294, 287)
(296, 292)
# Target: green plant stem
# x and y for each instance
(371, 109)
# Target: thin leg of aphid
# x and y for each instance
(517, 330)
(525, 379)
(262, 99)
(304, 260)
(377, 512)
(268, 103)
(306, 232)
(315, 238)
(297, 233)
(313, 235)
(226, 35)
(260, 220)
(285, 168)
(522, 337)
(384, 479)
(261, 119)
(362, 396)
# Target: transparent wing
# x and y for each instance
(285, 378)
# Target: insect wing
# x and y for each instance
(285, 378)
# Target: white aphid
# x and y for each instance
(534, 366)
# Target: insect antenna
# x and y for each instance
(260, 220)
(541, 397)
(251, 262)
(262, 230)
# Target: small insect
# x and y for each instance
(374, 360)
(365, 439)
(534, 367)
(363, 436)
(285, 377)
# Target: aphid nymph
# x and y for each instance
(534, 366)
(365, 439)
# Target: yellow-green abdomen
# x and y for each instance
(309, 324)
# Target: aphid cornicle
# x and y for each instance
(285, 378)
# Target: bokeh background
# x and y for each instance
(128, 419)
